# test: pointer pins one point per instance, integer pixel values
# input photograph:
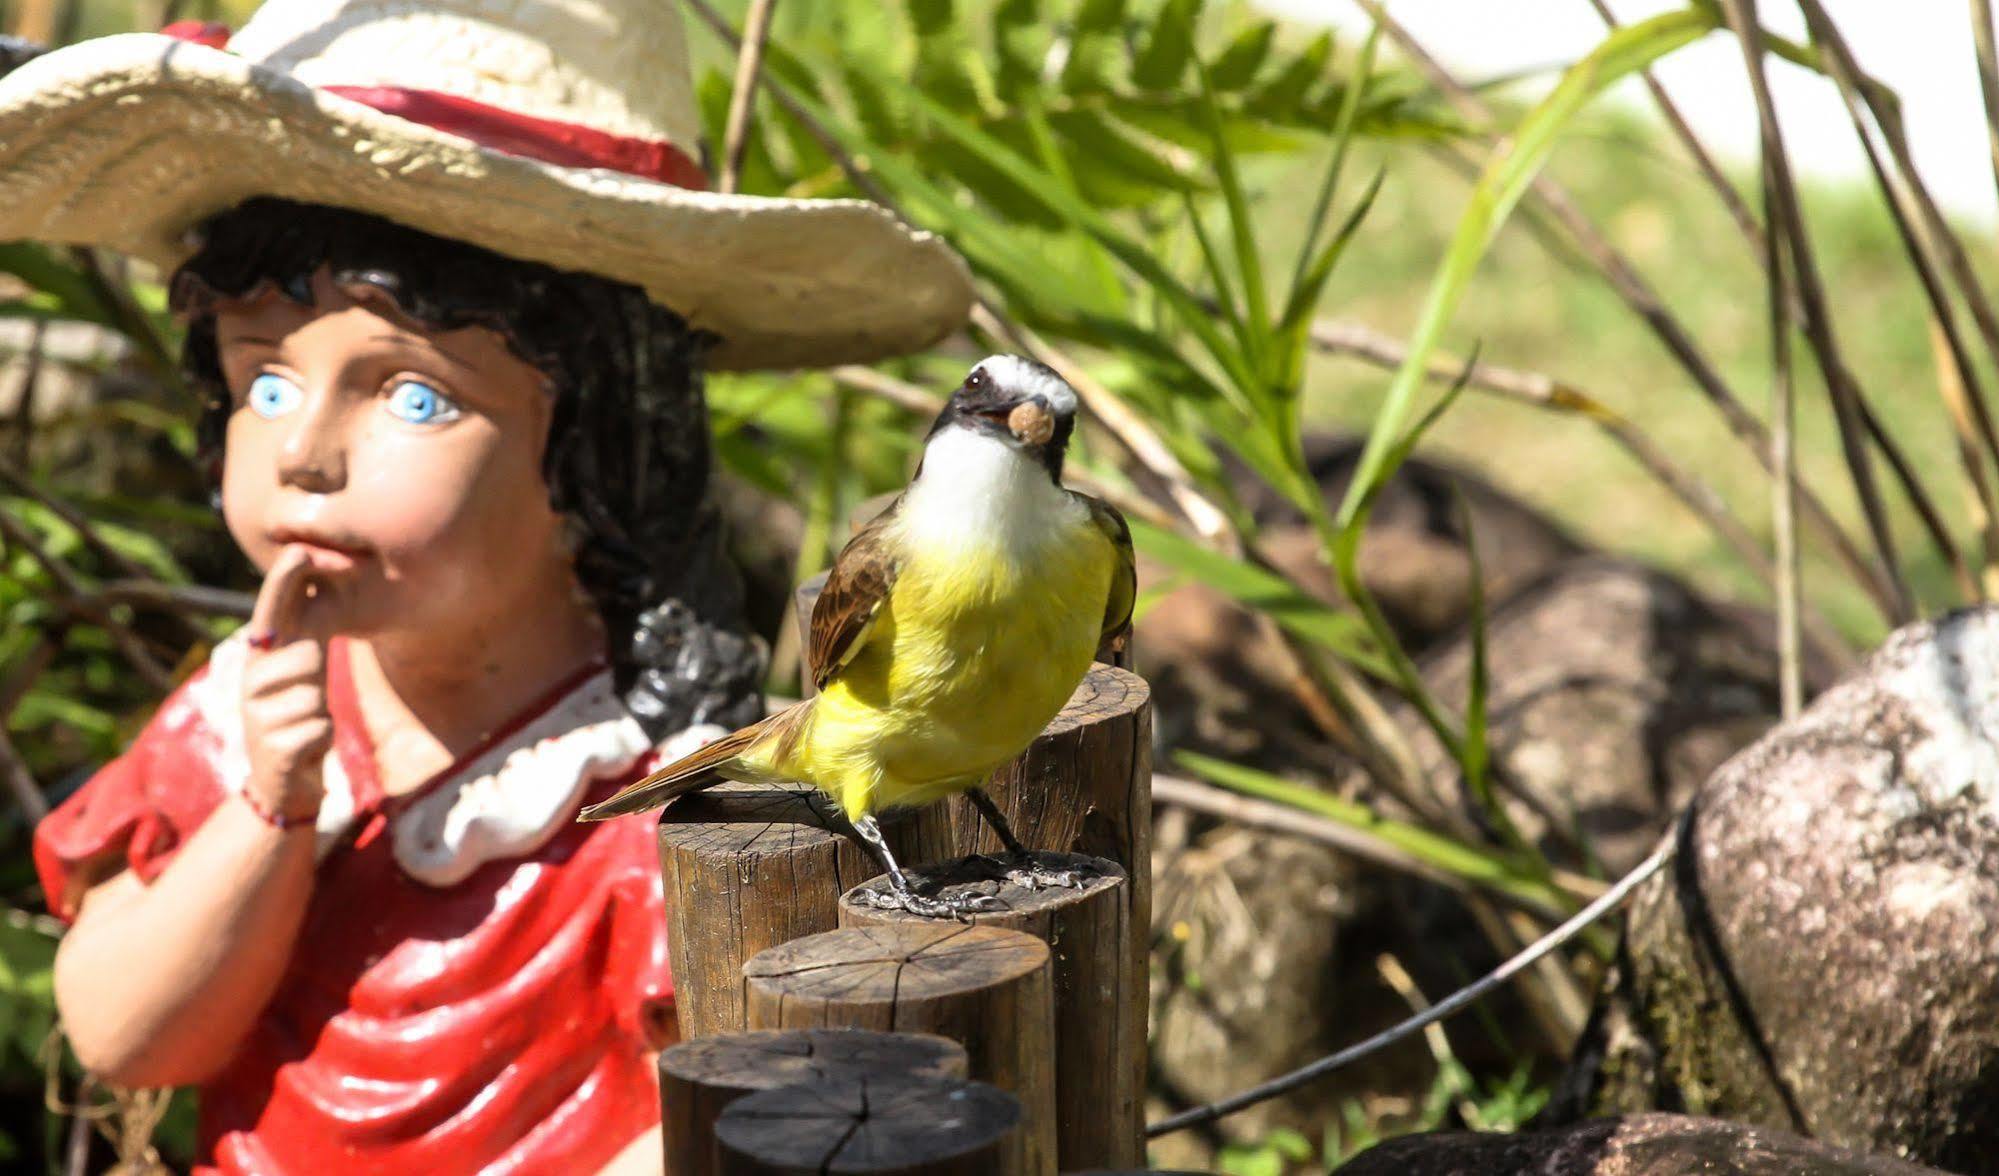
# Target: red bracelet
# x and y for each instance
(273, 818)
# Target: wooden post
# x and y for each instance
(748, 866)
(886, 1125)
(698, 1079)
(984, 987)
(1100, 1000)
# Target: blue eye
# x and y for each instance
(421, 404)
(273, 395)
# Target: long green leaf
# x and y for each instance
(1499, 188)
(1237, 67)
(1169, 47)
(1343, 126)
(1249, 263)
(1474, 864)
(1340, 632)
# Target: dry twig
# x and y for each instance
(742, 99)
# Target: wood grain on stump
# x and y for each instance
(697, 1079)
(987, 988)
(885, 1125)
(748, 866)
(1100, 1001)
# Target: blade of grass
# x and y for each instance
(1723, 188)
(1787, 220)
(1548, 393)
(1920, 236)
(1266, 591)
(1504, 182)
(1988, 76)
(1363, 69)
(1783, 488)
(1249, 260)
(1366, 844)
(1479, 866)
(1499, 190)
(1474, 760)
(1625, 280)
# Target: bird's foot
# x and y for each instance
(925, 897)
(1030, 872)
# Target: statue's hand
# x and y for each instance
(286, 727)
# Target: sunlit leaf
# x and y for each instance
(1237, 67)
(1169, 46)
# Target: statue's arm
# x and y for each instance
(643, 1156)
(158, 984)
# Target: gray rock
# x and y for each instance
(1615, 690)
(1824, 956)
(1640, 1145)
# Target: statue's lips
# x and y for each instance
(328, 554)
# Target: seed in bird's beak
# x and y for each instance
(1031, 421)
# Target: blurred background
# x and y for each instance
(1493, 622)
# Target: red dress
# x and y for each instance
(479, 980)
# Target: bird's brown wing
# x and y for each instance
(699, 769)
(1114, 644)
(855, 590)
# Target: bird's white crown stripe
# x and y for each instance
(1011, 371)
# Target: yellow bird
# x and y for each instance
(951, 629)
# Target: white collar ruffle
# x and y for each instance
(507, 802)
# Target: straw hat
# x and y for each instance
(559, 131)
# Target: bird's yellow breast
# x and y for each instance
(977, 647)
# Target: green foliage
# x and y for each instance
(27, 987)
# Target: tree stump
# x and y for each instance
(748, 866)
(883, 1125)
(985, 987)
(1100, 1000)
(698, 1079)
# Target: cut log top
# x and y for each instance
(699, 1079)
(749, 819)
(1105, 693)
(890, 965)
(885, 1124)
(765, 1059)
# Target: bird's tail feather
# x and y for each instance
(700, 769)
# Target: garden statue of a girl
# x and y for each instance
(450, 286)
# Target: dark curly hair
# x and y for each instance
(627, 458)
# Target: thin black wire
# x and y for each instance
(1611, 900)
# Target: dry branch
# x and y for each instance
(742, 99)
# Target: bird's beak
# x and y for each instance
(1031, 422)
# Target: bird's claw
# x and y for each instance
(962, 904)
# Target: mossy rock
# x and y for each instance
(1638, 1145)
(1823, 956)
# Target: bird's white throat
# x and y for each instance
(976, 490)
